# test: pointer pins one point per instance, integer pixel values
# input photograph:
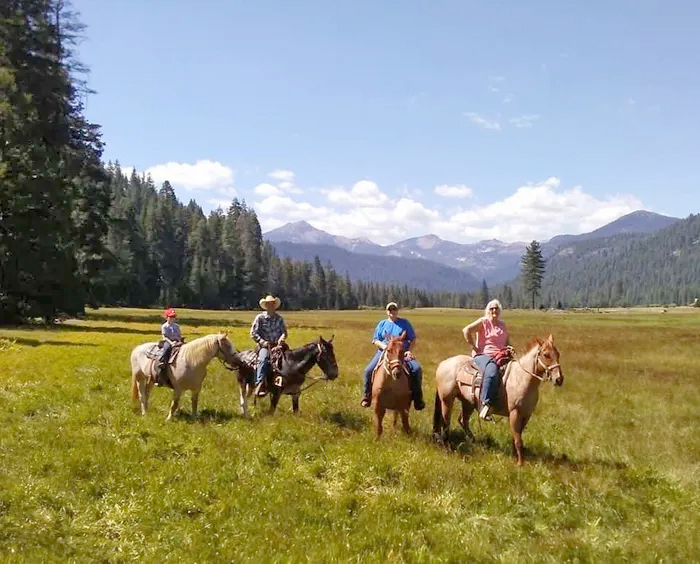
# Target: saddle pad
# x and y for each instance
(154, 352)
(467, 372)
(248, 358)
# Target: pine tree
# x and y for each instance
(532, 270)
(484, 293)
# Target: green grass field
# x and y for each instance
(612, 471)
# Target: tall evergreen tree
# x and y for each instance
(532, 270)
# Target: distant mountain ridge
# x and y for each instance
(492, 260)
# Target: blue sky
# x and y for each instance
(469, 119)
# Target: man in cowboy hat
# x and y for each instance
(170, 331)
(268, 330)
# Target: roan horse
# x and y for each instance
(295, 366)
(390, 386)
(517, 397)
(186, 373)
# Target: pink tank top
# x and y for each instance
(492, 338)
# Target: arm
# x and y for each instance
(283, 336)
(377, 338)
(255, 332)
(471, 331)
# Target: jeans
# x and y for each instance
(492, 378)
(263, 365)
(414, 369)
(165, 353)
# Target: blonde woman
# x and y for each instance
(487, 336)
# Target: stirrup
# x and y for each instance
(366, 401)
(261, 390)
(485, 413)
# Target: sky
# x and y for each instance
(468, 119)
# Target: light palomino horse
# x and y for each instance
(297, 364)
(517, 398)
(187, 372)
(390, 386)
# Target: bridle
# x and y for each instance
(391, 366)
(548, 369)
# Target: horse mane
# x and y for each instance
(534, 342)
(198, 349)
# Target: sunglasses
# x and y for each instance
(493, 309)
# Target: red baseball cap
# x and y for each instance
(170, 312)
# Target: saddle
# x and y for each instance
(154, 352)
(279, 363)
(469, 375)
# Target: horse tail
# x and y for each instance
(437, 415)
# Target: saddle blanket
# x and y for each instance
(154, 352)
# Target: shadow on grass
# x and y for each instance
(37, 343)
(206, 416)
(458, 442)
(346, 420)
(157, 318)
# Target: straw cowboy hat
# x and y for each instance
(270, 300)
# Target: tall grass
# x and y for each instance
(612, 470)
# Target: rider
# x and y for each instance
(393, 326)
(492, 337)
(268, 329)
(171, 334)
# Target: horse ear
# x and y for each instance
(321, 339)
(550, 339)
(331, 339)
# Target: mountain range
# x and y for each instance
(432, 263)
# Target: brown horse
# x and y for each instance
(295, 366)
(391, 388)
(518, 394)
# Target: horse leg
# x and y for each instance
(243, 388)
(274, 400)
(396, 419)
(174, 404)
(378, 416)
(143, 390)
(404, 422)
(446, 412)
(517, 423)
(195, 399)
(467, 410)
(295, 404)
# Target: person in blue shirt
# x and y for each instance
(393, 326)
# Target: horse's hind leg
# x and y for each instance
(295, 404)
(174, 404)
(445, 406)
(274, 400)
(467, 410)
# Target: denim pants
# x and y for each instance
(263, 365)
(492, 378)
(413, 366)
(165, 352)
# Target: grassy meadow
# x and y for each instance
(613, 468)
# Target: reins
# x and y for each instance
(547, 369)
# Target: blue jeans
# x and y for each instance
(492, 378)
(263, 365)
(413, 367)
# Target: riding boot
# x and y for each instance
(417, 391)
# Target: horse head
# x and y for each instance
(325, 357)
(394, 354)
(226, 349)
(548, 357)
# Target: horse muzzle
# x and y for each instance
(559, 380)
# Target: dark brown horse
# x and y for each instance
(289, 370)
(391, 388)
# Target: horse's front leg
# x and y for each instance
(379, 413)
(517, 423)
(404, 422)
(243, 387)
(274, 400)
(195, 399)
(295, 404)
(174, 404)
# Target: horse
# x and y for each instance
(518, 393)
(391, 388)
(295, 366)
(187, 371)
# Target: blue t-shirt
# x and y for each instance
(387, 328)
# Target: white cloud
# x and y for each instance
(454, 191)
(266, 189)
(483, 122)
(283, 175)
(202, 175)
(364, 193)
(533, 211)
(524, 121)
(508, 99)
